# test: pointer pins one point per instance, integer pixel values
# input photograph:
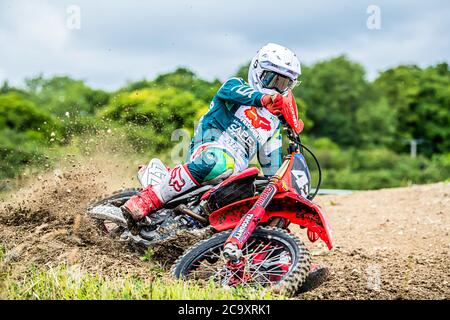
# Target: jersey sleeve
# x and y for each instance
(236, 91)
(270, 154)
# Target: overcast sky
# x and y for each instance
(122, 40)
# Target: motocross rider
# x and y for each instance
(241, 122)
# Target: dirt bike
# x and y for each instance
(249, 216)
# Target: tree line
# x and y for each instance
(360, 129)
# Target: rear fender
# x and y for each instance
(288, 205)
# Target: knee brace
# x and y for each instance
(210, 163)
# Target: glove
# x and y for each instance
(273, 103)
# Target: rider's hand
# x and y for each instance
(273, 103)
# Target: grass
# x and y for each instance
(72, 283)
(148, 254)
(63, 282)
(2, 251)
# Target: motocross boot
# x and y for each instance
(153, 197)
(139, 206)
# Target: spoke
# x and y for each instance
(268, 265)
(257, 248)
(264, 247)
(271, 249)
(275, 273)
(273, 268)
(268, 259)
(271, 259)
(261, 274)
(207, 266)
(248, 245)
(202, 264)
(261, 264)
(219, 277)
(215, 254)
(218, 272)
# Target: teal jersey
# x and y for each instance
(238, 123)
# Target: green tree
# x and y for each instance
(376, 124)
(154, 114)
(62, 95)
(25, 130)
(421, 99)
(6, 88)
(334, 90)
(183, 79)
(21, 115)
(344, 106)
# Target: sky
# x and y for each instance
(109, 42)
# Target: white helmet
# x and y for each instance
(274, 69)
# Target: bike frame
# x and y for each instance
(278, 200)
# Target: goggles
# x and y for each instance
(276, 81)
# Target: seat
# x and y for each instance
(249, 172)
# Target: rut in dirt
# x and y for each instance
(46, 224)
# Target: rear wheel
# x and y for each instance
(271, 257)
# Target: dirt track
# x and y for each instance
(389, 244)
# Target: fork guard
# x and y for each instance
(288, 205)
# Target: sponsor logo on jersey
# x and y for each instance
(257, 120)
(242, 136)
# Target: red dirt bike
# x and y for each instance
(250, 217)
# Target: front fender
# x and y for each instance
(288, 205)
(311, 216)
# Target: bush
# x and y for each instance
(20, 114)
(62, 95)
(375, 168)
(330, 155)
(374, 159)
(151, 115)
(25, 131)
(182, 79)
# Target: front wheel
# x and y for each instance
(271, 257)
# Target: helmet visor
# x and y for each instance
(273, 80)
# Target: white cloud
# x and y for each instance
(125, 40)
(35, 26)
(421, 39)
(2, 75)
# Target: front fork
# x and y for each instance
(248, 223)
